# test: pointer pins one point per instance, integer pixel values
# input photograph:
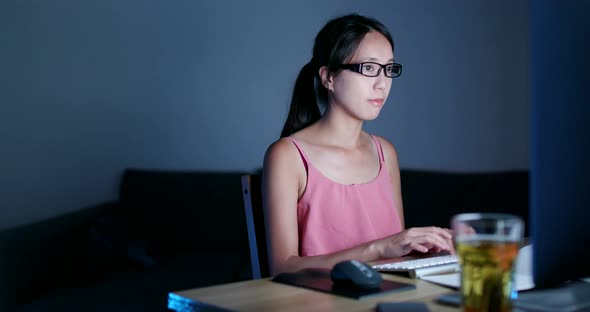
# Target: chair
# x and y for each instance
(252, 192)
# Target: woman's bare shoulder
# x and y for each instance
(281, 148)
(283, 156)
(283, 167)
(386, 144)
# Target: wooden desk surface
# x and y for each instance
(264, 295)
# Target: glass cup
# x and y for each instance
(487, 245)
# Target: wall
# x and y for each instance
(89, 88)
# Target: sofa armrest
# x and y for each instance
(45, 255)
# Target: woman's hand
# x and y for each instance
(421, 239)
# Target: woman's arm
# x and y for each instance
(390, 155)
(282, 181)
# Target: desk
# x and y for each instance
(264, 295)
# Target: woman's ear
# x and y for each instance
(326, 77)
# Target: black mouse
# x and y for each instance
(353, 273)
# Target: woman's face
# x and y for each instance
(360, 96)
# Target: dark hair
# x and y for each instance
(334, 45)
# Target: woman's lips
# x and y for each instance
(376, 102)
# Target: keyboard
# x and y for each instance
(422, 266)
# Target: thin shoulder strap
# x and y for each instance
(379, 148)
(301, 153)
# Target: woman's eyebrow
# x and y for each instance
(373, 59)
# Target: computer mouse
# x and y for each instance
(353, 273)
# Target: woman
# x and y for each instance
(331, 191)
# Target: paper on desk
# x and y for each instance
(523, 274)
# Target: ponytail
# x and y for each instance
(304, 108)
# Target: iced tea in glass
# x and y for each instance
(487, 245)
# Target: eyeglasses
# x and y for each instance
(372, 69)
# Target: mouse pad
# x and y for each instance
(319, 279)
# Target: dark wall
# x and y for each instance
(88, 88)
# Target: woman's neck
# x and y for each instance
(340, 129)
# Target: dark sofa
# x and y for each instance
(167, 231)
(433, 197)
(172, 230)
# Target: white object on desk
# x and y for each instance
(523, 273)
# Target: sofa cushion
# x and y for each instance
(432, 198)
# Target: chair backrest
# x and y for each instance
(252, 191)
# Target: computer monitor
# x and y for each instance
(560, 141)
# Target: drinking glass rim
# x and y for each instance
(471, 216)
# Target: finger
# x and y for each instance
(431, 237)
(436, 250)
(445, 233)
(418, 247)
(448, 233)
(442, 242)
(432, 241)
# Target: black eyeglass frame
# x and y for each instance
(358, 68)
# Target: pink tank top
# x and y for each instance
(333, 216)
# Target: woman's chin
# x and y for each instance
(371, 116)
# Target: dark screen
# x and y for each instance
(560, 170)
